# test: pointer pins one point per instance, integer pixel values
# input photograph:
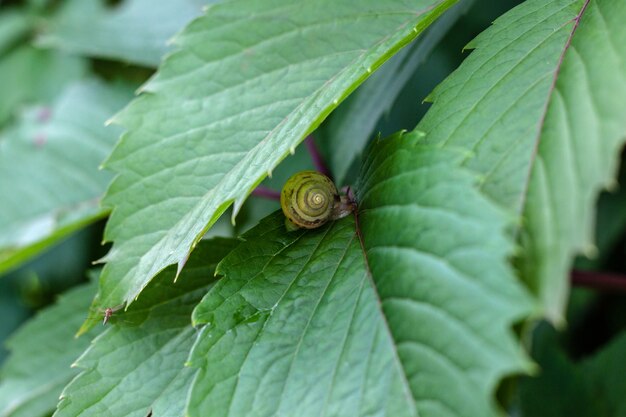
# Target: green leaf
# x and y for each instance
(42, 352)
(49, 168)
(250, 80)
(351, 126)
(14, 24)
(423, 220)
(582, 134)
(493, 103)
(539, 81)
(22, 80)
(594, 386)
(136, 31)
(305, 324)
(137, 365)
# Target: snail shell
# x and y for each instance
(309, 199)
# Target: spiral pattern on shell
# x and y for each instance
(308, 198)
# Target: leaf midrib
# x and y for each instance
(379, 305)
(545, 109)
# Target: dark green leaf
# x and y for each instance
(437, 252)
(540, 106)
(592, 387)
(301, 325)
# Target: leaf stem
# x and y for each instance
(265, 192)
(598, 280)
(316, 156)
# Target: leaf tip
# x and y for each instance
(181, 264)
(470, 45)
(590, 251)
(110, 121)
(84, 328)
(102, 260)
(419, 133)
(612, 185)
(430, 98)
(171, 41)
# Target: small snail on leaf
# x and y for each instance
(309, 199)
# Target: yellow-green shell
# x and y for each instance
(308, 199)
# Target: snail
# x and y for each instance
(309, 199)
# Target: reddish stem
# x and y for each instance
(599, 280)
(265, 192)
(318, 161)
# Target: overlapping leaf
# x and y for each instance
(42, 352)
(135, 31)
(49, 169)
(583, 131)
(137, 366)
(250, 80)
(307, 324)
(531, 72)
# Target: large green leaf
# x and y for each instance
(42, 352)
(541, 93)
(494, 102)
(137, 366)
(135, 31)
(249, 81)
(49, 169)
(594, 386)
(584, 128)
(23, 82)
(308, 324)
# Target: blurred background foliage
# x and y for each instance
(36, 66)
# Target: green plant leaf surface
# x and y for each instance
(137, 365)
(135, 31)
(249, 81)
(578, 154)
(42, 351)
(22, 81)
(494, 102)
(346, 133)
(540, 105)
(49, 169)
(422, 219)
(593, 386)
(304, 323)
(292, 329)
(14, 24)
